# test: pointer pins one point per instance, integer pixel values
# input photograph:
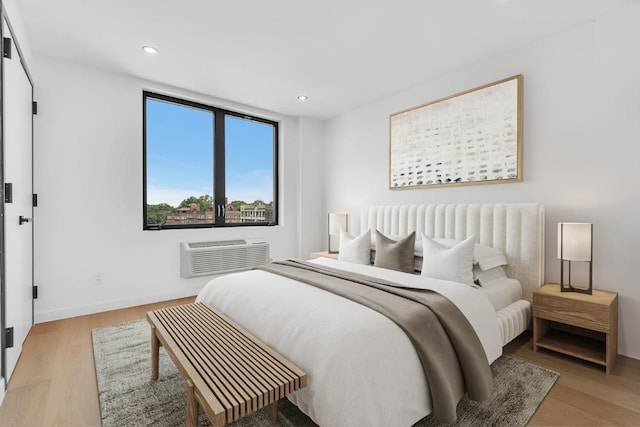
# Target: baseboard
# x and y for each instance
(47, 316)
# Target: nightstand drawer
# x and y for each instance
(576, 312)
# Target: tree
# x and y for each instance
(237, 204)
(205, 201)
(157, 214)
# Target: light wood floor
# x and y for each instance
(54, 382)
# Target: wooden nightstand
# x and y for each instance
(323, 254)
(580, 325)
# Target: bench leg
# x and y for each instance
(155, 353)
(273, 411)
(192, 406)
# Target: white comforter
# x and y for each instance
(362, 369)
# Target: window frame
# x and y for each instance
(219, 167)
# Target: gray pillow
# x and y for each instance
(395, 255)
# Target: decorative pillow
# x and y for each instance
(417, 250)
(453, 263)
(354, 249)
(489, 257)
(395, 255)
(482, 277)
(486, 257)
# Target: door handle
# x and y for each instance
(22, 220)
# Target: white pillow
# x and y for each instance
(485, 256)
(355, 249)
(485, 277)
(453, 263)
(489, 257)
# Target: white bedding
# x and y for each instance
(362, 368)
(502, 292)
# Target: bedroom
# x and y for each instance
(580, 162)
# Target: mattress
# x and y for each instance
(502, 292)
(513, 312)
(359, 363)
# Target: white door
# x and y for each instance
(18, 235)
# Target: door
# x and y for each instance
(17, 163)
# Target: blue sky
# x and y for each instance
(180, 155)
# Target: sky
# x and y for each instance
(180, 155)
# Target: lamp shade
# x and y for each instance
(337, 222)
(574, 241)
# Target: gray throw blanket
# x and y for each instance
(451, 354)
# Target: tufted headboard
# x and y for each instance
(517, 229)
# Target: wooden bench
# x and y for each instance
(229, 372)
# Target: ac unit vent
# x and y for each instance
(216, 243)
(219, 257)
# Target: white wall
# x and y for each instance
(581, 148)
(88, 176)
(313, 216)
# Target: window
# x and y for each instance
(206, 167)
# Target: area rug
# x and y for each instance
(129, 398)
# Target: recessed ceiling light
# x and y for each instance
(150, 49)
(302, 97)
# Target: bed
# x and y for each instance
(362, 368)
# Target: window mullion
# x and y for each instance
(219, 169)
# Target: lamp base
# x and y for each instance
(568, 288)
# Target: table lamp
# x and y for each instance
(337, 222)
(575, 243)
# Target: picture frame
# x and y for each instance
(471, 137)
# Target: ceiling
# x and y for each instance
(341, 53)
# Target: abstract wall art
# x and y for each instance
(472, 137)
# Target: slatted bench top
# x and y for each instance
(229, 372)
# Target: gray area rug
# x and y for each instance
(129, 398)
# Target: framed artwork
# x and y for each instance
(472, 137)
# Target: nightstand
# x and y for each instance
(323, 254)
(579, 325)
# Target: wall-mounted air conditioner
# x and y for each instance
(223, 256)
